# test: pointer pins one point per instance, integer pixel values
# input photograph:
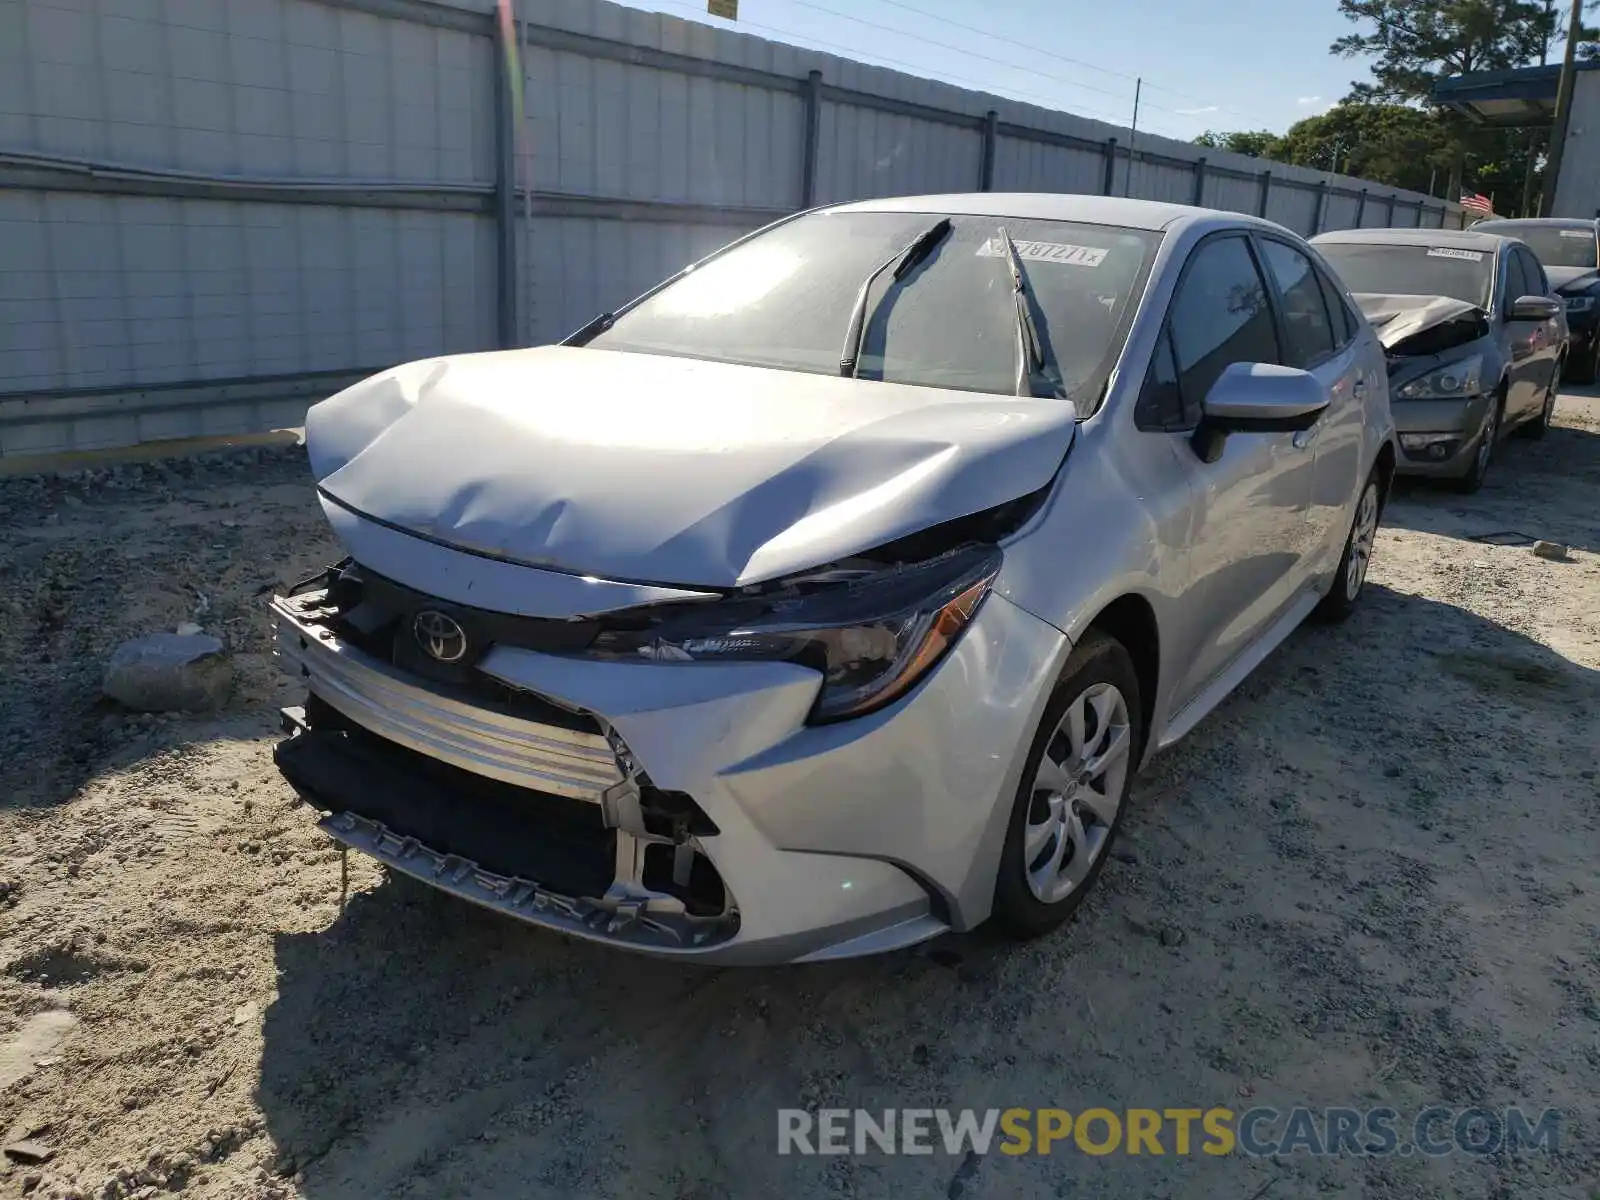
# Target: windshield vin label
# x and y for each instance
(1056, 252)
(1451, 252)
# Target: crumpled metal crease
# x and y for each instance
(671, 470)
(1398, 317)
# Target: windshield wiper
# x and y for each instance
(903, 261)
(1034, 356)
(592, 330)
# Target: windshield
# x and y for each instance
(784, 298)
(1555, 246)
(1410, 270)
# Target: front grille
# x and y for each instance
(490, 730)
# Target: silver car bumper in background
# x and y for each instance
(827, 841)
(1438, 437)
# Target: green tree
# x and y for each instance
(1257, 143)
(1396, 144)
(1416, 42)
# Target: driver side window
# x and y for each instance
(1219, 316)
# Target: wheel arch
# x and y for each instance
(1132, 621)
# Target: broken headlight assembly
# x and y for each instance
(1457, 379)
(872, 634)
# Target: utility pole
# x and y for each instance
(1558, 135)
(1533, 134)
(1133, 132)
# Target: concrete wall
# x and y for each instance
(1578, 189)
(213, 212)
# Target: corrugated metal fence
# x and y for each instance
(214, 212)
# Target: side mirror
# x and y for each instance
(1257, 398)
(1534, 308)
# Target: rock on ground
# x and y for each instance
(170, 672)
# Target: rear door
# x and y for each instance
(1248, 528)
(1319, 336)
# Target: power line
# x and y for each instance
(962, 50)
(1077, 62)
(859, 53)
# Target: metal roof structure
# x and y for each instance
(1516, 98)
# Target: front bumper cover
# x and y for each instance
(830, 841)
(1462, 419)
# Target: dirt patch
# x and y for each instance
(1368, 880)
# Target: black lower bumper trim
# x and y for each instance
(560, 843)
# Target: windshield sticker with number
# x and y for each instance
(1056, 252)
(1452, 252)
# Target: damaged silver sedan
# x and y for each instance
(1475, 340)
(830, 595)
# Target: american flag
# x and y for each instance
(1481, 205)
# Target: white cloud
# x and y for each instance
(1198, 112)
(1305, 101)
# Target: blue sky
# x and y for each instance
(1250, 64)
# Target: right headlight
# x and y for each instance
(1579, 303)
(872, 638)
(1464, 377)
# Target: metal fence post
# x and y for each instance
(1391, 210)
(991, 135)
(1266, 193)
(505, 194)
(1110, 180)
(1361, 208)
(1320, 223)
(1199, 182)
(808, 170)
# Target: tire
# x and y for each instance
(1350, 579)
(1483, 455)
(1540, 425)
(1587, 367)
(1058, 811)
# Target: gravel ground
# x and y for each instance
(1368, 879)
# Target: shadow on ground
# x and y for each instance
(1251, 937)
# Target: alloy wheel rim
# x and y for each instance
(1076, 792)
(1486, 446)
(1362, 536)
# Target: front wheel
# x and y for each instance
(1473, 479)
(1586, 366)
(1074, 787)
(1540, 425)
(1351, 575)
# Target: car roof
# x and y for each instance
(1515, 223)
(1058, 206)
(1454, 239)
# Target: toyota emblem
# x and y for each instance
(440, 636)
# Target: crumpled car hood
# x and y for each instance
(670, 470)
(1397, 317)
(1571, 279)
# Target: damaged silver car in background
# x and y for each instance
(1474, 336)
(830, 595)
